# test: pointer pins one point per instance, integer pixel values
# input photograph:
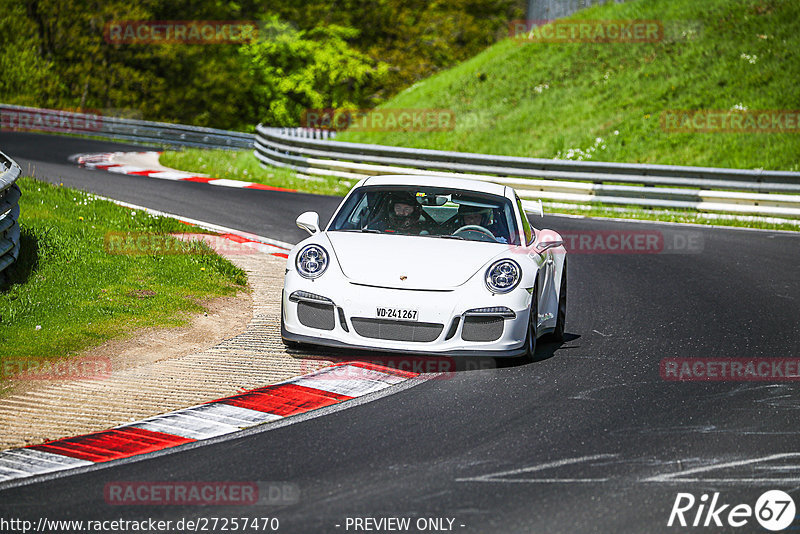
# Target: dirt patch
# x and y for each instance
(235, 345)
(223, 317)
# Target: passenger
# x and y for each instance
(478, 216)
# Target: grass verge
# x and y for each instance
(603, 101)
(66, 293)
(670, 216)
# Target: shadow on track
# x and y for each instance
(433, 363)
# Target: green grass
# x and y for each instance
(78, 294)
(602, 101)
(243, 165)
(666, 215)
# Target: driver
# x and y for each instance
(403, 215)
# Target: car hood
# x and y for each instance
(425, 262)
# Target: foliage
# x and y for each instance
(348, 52)
(297, 70)
(603, 101)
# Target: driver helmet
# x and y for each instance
(474, 215)
(401, 216)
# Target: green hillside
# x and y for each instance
(603, 101)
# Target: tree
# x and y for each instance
(296, 70)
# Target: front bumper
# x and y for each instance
(437, 309)
(455, 353)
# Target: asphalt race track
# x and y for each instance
(274, 214)
(590, 438)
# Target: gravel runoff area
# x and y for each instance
(164, 370)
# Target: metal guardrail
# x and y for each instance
(161, 133)
(9, 213)
(740, 191)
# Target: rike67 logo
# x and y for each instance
(774, 510)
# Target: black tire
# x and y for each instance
(558, 333)
(530, 338)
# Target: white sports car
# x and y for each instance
(426, 265)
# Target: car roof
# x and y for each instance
(439, 181)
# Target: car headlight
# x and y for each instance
(503, 276)
(311, 261)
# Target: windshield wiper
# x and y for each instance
(447, 236)
(362, 230)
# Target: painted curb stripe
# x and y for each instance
(258, 245)
(112, 444)
(353, 382)
(285, 399)
(324, 387)
(225, 182)
(187, 426)
(389, 370)
(169, 175)
(269, 188)
(103, 162)
(228, 414)
(125, 169)
(19, 463)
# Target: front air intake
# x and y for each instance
(397, 330)
(316, 315)
(482, 328)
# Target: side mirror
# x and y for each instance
(541, 246)
(309, 221)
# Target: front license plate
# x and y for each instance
(400, 314)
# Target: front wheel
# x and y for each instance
(530, 339)
(558, 333)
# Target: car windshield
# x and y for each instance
(430, 212)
